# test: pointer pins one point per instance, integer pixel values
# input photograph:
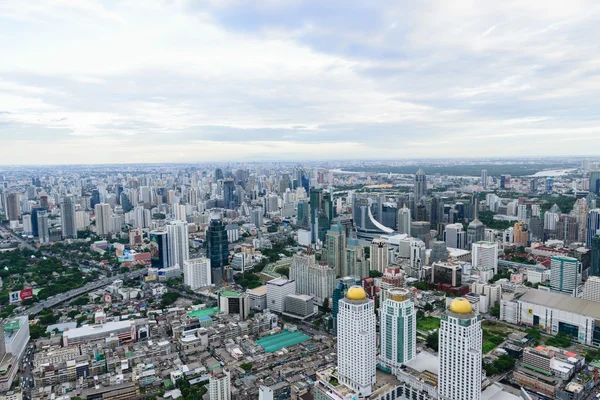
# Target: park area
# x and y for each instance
(494, 333)
(427, 324)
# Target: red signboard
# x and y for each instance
(20, 295)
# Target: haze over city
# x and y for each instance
(186, 81)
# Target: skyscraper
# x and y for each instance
(565, 274)
(12, 205)
(484, 178)
(356, 263)
(229, 194)
(219, 384)
(159, 249)
(102, 211)
(179, 250)
(521, 234)
(299, 271)
(595, 262)
(460, 352)
(217, 250)
(357, 347)
(316, 199)
(42, 226)
(335, 245)
(476, 229)
(595, 182)
(321, 281)
(96, 198)
(593, 226)
(379, 255)
(67, 218)
(404, 220)
(485, 256)
(196, 272)
(420, 188)
(398, 330)
(455, 237)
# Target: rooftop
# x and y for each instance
(562, 302)
(106, 328)
(205, 312)
(286, 338)
(259, 291)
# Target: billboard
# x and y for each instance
(20, 295)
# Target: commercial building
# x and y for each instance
(398, 330)
(446, 273)
(357, 347)
(178, 249)
(404, 220)
(196, 273)
(591, 289)
(217, 250)
(299, 306)
(16, 335)
(114, 333)
(565, 274)
(595, 259)
(43, 229)
(379, 255)
(356, 263)
(277, 289)
(455, 237)
(299, 271)
(460, 352)
(13, 210)
(67, 218)
(258, 298)
(593, 226)
(219, 385)
(234, 303)
(102, 212)
(159, 249)
(321, 281)
(335, 248)
(485, 256)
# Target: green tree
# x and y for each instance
(432, 341)
(495, 311)
(375, 274)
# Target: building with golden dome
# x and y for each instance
(357, 346)
(460, 352)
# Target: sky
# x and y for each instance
(86, 81)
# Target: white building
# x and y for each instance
(492, 291)
(102, 211)
(179, 247)
(299, 271)
(27, 226)
(455, 236)
(398, 330)
(219, 385)
(565, 275)
(277, 289)
(265, 393)
(196, 272)
(404, 220)
(16, 335)
(591, 289)
(379, 255)
(485, 256)
(460, 352)
(321, 282)
(82, 220)
(357, 347)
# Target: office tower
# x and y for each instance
(436, 214)
(303, 214)
(34, 219)
(299, 271)
(229, 194)
(379, 255)
(179, 212)
(581, 211)
(12, 205)
(177, 235)
(218, 174)
(116, 222)
(102, 211)
(595, 259)
(217, 250)
(27, 227)
(126, 202)
(533, 186)
(521, 234)
(94, 200)
(416, 259)
(44, 202)
(357, 347)
(219, 382)
(460, 352)
(256, 217)
(159, 249)
(321, 281)
(476, 229)
(593, 226)
(484, 178)
(398, 330)
(549, 185)
(455, 237)
(439, 251)
(595, 182)
(404, 220)
(335, 248)
(67, 218)
(356, 263)
(591, 289)
(565, 274)
(485, 256)
(277, 290)
(316, 199)
(550, 221)
(567, 229)
(42, 226)
(420, 188)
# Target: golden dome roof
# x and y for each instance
(356, 293)
(461, 305)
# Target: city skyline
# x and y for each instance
(91, 82)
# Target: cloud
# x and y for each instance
(192, 80)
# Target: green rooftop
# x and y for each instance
(205, 312)
(284, 339)
(229, 293)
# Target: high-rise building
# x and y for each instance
(95, 199)
(13, 209)
(316, 200)
(484, 178)
(43, 227)
(356, 263)
(565, 274)
(398, 330)
(179, 250)
(379, 255)
(593, 226)
(485, 256)
(217, 250)
(27, 227)
(521, 234)
(420, 188)
(476, 229)
(256, 217)
(277, 290)
(159, 249)
(460, 352)
(595, 259)
(567, 229)
(335, 246)
(229, 194)
(219, 382)
(102, 211)
(67, 217)
(357, 347)
(321, 281)
(404, 220)
(591, 289)
(439, 251)
(299, 271)
(595, 182)
(455, 237)
(196, 272)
